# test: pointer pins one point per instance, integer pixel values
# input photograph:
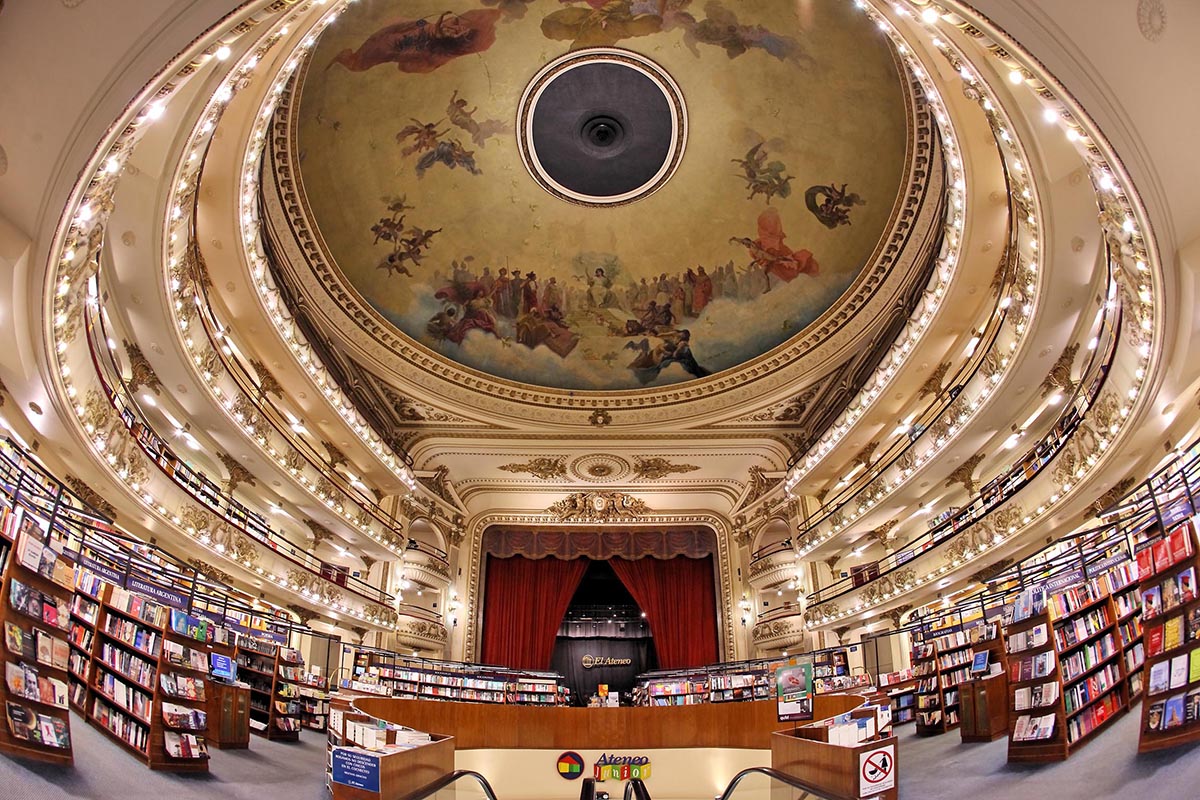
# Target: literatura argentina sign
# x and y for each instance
(621, 768)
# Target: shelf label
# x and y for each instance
(354, 768)
(877, 771)
(160, 593)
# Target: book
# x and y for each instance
(1186, 581)
(1162, 555)
(1180, 543)
(1179, 671)
(17, 641)
(1192, 706)
(1151, 602)
(45, 647)
(61, 653)
(22, 722)
(14, 678)
(1170, 594)
(1160, 678)
(1154, 640)
(1154, 716)
(1173, 712)
(1145, 561)
(1194, 666)
(29, 551)
(1173, 632)
(1193, 624)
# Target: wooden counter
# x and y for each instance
(511, 727)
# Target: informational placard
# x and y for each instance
(794, 690)
(355, 768)
(877, 771)
(161, 594)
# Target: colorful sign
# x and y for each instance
(794, 690)
(621, 768)
(877, 771)
(570, 765)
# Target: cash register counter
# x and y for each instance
(745, 725)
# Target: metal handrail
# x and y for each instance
(774, 774)
(429, 790)
(588, 790)
(636, 790)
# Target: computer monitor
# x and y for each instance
(222, 667)
(980, 663)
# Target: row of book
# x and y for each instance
(1071, 632)
(1160, 555)
(1041, 696)
(182, 686)
(135, 701)
(120, 724)
(136, 669)
(23, 680)
(1093, 716)
(134, 635)
(1029, 728)
(177, 716)
(85, 609)
(81, 636)
(182, 656)
(1175, 711)
(184, 745)
(51, 610)
(1037, 636)
(38, 645)
(137, 606)
(1174, 673)
(29, 726)
(1170, 593)
(1080, 694)
(1088, 656)
(1029, 668)
(1171, 633)
(36, 556)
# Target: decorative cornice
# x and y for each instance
(598, 507)
(209, 571)
(336, 456)
(964, 474)
(266, 381)
(1059, 378)
(142, 374)
(237, 473)
(320, 532)
(90, 496)
(655, 467)
(305, 615)
(544, 467)
(933, 384)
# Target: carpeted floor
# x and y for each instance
(104, 771)
(935, 768)
(1108, 766)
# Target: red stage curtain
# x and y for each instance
(524, 604)
(680, 604)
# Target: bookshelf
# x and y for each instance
(85, 608)
(683, 689)
(983, 697)
(147, 686)
(1171, 628)
(940, 665)
(422, 679)
(750, 682)
(314, 703)
(274, 674)
(1066, 670)
(901, 690)
(35, 597)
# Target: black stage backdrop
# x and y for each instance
(569, 660)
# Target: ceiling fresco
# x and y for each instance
(794, 159)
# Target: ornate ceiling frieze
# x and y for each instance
(964, 473)
(142, 373)
(544, 467)
(238, 474)
(599, 507)
(655, 467)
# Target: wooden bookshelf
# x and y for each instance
(903, 699)
(274, 694)
(37, 724)
(940, 665)
(983, 698)
(1171, 628)
(148, 679)
(1069, 649)
(85, 609)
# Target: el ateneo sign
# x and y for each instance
(590, 661)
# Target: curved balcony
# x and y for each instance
(419, 629)
(782, 629)
(773, 566)
(425, 566)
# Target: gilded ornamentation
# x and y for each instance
(772, 629)
(544, 467)
(988, 573)
(883, 534)
(336, 457)
(896, 614)
(325, 488)
(210, 572)
(1008, 519)
(439, 484)
(210, 363)
(1107, 412)
(964, 474)
(320, 532)
(196, 520)
(813, 616)
(832, 561)
(907, 462)
(304, 614)
(598, 506)
(360, 632)
(1118, 490)
(293, 461)
(656, 467)
(237, 473)
(142, 374)
(760, 484)
(90, 496)
(743, 537)
(933, 384)
(455, 535)
(422, 629)
(600, 417)
(797, 407)
(368, 562)
(863, 457)
(1059, 378)
(267, 384)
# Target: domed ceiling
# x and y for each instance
(792, 163)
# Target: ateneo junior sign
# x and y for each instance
(621, 768)
(590, 661)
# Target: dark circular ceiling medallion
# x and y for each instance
(602, 126)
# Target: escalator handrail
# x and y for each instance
(441, 783)
(636, 790)
(588, 790)
(774, 774)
